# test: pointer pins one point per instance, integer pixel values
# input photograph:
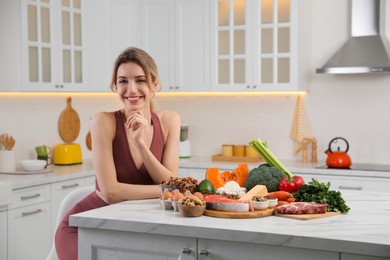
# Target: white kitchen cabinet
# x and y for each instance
(351, 182)
(176, 34)
(58, 191)
(28, 223)
(224, 250)
(111, 28)
(259, 45)
(53, 45)
(3, 234)
(103, 244)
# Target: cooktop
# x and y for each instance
(362, 167)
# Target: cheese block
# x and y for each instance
(258, 190)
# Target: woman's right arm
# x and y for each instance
(102, 126)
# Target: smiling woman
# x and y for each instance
(134, 148)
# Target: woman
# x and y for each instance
(134, 148)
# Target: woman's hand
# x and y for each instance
(136, 123)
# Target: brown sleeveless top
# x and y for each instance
(126, 170)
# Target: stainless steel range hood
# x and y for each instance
(367, 51)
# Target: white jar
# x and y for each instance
(7, 161)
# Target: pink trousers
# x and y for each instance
(66, 236)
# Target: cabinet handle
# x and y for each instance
(186, 251)
(176, 87)
(204, 253)
(254, 87)
(31, 212)
(170, 87)
(341, 187)
(30, 197)
(69, 186)
(61, 86)
(56, 86)
(248, 86)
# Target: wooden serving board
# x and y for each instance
(308, 216)
(230, 214)
(69, 123)
(221, 158)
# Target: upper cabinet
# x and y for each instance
(53, 45)
(176, 34)
(259, 45)
(63, 45)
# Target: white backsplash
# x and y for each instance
(355, 107)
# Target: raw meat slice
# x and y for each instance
(302, 208)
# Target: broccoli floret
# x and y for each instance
(266, 175)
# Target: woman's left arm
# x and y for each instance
(170, 123)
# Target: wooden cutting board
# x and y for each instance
(229, 214)
(69, 123)
(88, 141)
(308, 216)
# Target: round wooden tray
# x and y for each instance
(230, 214)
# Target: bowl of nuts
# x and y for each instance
(191, 206)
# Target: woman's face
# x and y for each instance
(132, 87)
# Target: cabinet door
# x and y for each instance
(29, 232)
(192, 29)
(103, 244)
(158, 37)
(231, 44)
(3, 235)
(254, 45)
(53, 52)
(39, 45)
(58, 193)
(111, 28)
(221, 250)
(175, 34)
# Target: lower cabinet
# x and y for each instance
(104, 244)
(29, 232)
(224, 250)
(107, 244)
(351, 183)
(58, 192)
(3, 234)
(27, 225)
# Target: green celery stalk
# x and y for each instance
(268, 156)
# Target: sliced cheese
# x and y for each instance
(258, 190)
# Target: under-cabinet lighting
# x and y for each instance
(164, 94)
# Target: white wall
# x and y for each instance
(355, 107)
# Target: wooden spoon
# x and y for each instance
(9, 142)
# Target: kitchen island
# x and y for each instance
(143, 230)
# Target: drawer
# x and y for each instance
(352, 183)
(65, 186)
(29, 196)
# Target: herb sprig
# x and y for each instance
(314, 191)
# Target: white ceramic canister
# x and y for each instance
(7, 161)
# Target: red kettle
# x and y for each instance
(338, 159)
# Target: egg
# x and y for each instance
(199, 195)
(167, 195)
(177, 196)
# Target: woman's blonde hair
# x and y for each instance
(144, 60)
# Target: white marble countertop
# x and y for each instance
(59, 173)
(294, 166)
(364, 230)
